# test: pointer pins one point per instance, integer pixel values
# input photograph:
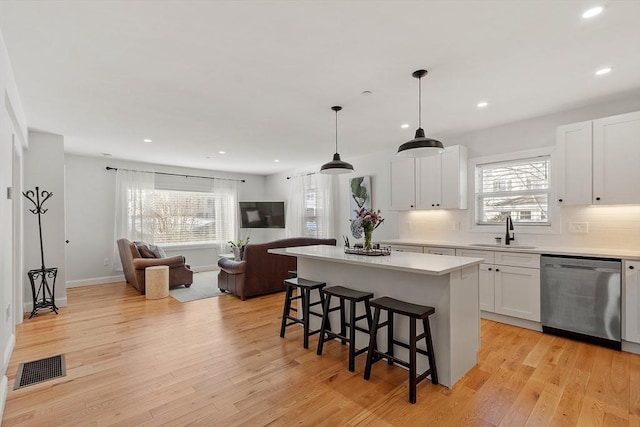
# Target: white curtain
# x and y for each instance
(133, 207)
(295, 208)
(226, 212)
(310, 211)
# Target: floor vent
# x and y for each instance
(40, 371)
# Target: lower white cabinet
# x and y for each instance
(508, 289)
(439, 251)
(517, 292)
(631, 319)
(406, 248)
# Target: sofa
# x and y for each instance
(260, 272)
(134, 264)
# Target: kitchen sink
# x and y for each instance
(493, 245)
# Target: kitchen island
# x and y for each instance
(447, 283)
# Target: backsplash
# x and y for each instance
(616, 227)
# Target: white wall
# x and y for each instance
(13, 139)
(90, 204)
(609, 227)
(44, 168)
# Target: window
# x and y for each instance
(179, 217)
(312, 221)
(518, 188)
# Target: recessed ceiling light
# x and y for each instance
(592, 12)
(147, 140)
(366, 92)
(405, 125)
(603, 71)
(222, 152)
(277, 161)
(483, 104)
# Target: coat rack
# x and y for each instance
(40, 278)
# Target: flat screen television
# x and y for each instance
(262, 214)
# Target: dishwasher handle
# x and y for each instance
(583, 267)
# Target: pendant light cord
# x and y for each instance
(420, 102)
(336, 131)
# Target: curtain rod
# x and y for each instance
(302, 174)
(109, 168)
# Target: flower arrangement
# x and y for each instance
(366, 221)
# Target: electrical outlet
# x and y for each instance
(579, 227)
(106, 261)
(8, 313)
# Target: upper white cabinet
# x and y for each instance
(631, 319)
(434, 182)
(598, 160)
(574, 158)
(616, 159)
(442, 180)
(403, 184)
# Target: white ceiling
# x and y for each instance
(257, 78)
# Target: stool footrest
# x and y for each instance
(408, 347)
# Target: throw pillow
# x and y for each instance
(157, 251)
(145, 251)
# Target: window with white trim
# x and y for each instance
(312, 213)
(189, 217)
(516, 188)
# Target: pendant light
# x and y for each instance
(336, 166)
(420, 146)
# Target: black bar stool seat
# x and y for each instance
(304, 288)
(414, 312)
(326, 334)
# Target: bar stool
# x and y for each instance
(304, 288)
(326, 334)
(414, 312)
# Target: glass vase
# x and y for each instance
(367, 240)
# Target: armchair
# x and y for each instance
(134, 266)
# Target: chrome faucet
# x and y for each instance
(509, 236)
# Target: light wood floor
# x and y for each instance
(221, 362)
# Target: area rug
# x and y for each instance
(205, 285)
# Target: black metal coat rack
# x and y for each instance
(41, 278)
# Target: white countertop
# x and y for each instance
(436, 265)
(554, 250)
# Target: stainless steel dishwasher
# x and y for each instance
(580, 298)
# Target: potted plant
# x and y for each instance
(238, 247)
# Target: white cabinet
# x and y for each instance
(616, 159)
(509, 283)
(597, 160)
(442, 180)
(439, 251)
(631, 319)
(434, 182)
(406, 248)
(403, 184)
(574, 159)
(517, 292)
(487, 287)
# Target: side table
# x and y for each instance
(156, 282)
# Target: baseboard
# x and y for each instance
(521, 323)
(201, 268)
(28, 306)
(4, 390)
(9, 351)
(95, 281)
(120, 278)
(631, 347)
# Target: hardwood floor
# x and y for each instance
(220, 361)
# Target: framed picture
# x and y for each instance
(359, 194)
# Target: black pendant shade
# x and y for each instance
(420, 146)
(337, 165)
